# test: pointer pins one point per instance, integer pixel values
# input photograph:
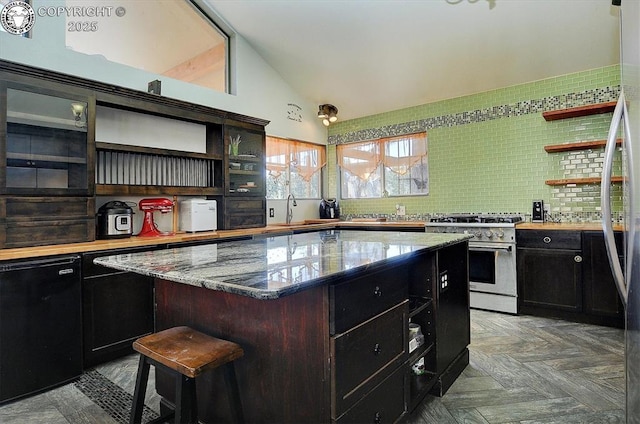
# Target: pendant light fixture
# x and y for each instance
(328, 113)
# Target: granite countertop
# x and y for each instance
(275, 266)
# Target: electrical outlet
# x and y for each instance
(401, 210)
(272, 213)
(444, 281)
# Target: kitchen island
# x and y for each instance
(323, 318)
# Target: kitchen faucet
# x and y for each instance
(289, 209)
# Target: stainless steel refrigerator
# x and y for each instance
(626, 123)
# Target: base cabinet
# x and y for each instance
(566, 274)
(117, 308)
(601, 296)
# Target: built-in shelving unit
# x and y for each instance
(151, 171)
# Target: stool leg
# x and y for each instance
(141, 388)
(186, 402)
(234, 392)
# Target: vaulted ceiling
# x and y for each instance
(374, 56)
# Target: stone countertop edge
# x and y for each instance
(234, 270)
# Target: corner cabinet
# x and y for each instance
(244, 205)
(47, 157)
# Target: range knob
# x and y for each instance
(488, 234)
(477, 233)
(499, 234)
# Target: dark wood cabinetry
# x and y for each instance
(439, 299)
(46, 162)
(368, 327)
(117, 308)
(566, 274)
(48, 148)
(601, 297)
(549, 270)
(245, 176)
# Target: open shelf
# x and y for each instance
(594, 180)
(581, 145)
(418, 304)
(575, 112)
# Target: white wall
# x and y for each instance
(260, 91)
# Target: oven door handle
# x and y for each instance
(491, 248)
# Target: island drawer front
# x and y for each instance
(384, 404)
(359, 299)
(549, 239)
(363, 356)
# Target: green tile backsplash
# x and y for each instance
(486, 151)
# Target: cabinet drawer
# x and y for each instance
(244, 205)
(41, 233)
(384, 404)
(363, 356)
(46, 208)
(551, 239)
(359, 299)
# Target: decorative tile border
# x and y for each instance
(598, 95)
(110, 397)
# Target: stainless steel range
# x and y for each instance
(492, 257)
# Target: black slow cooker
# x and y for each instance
(114, 220)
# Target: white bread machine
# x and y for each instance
(198, 215)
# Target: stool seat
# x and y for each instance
(187, 351)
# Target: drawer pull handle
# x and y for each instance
(547, 239)
(377, 292)
(377, 419)
(377, 349)
(577, 258)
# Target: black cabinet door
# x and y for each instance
(549, 278)
(40, 336)
(600, 293)
(117, 308)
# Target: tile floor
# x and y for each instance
(522, 370)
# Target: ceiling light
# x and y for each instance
(328, 113)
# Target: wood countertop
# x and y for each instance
(311, 224)
(570, 226)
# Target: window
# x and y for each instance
(171, 38)
(394, 166)
(293, 167)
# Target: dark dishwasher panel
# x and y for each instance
(40, 325)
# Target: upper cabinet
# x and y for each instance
(246, 167)
(64, 140)
(46, 145)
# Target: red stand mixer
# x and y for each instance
(149, 206)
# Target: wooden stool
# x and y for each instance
(185, 354)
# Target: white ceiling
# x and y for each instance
(374, 56)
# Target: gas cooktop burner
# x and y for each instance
(456, 218)
(501, 219)
(510, 219)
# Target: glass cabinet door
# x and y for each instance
(46, 143)
(246, 162)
